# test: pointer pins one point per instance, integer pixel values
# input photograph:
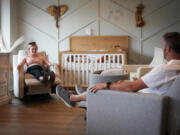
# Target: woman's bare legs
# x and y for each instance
(78, 98)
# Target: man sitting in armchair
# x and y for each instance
(158, 81)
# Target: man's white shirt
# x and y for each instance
(161, 77)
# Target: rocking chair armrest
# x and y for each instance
(55, 69)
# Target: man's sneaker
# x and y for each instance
(64, 95)
(79, 90)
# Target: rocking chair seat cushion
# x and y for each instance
(35, 82)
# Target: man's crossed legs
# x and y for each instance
(68, 97)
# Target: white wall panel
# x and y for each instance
(129, 4)
(14, 21)
(43, 4)
(73, 5)
(119, 16)
(155, 41)
(64, 44)
(161, 19)
(44, 42)
(93, 26)
(134, 46)
(38, 18)
(78, 19)
(152, 5)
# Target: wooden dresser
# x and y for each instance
(4, 78)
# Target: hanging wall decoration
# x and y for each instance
(57, 12)
(139, 19)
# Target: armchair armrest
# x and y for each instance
(18, 76)
(141, 71)
(124, 113)
(132, 68)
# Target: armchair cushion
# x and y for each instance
(32, 82)
(28, 76)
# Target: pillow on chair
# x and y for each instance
(115, 71)
(43, 54)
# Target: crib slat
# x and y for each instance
(114, 62)
(66, 68)
(87, 69)
(104, 64)
(70, 69)
(82, 64)
(109, 61)
(92, 66)
(117, 60)
(100, 62)
(78, 69)
(74, 70)
(124, 61)
(62, 67)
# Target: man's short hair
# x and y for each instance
(173, 40)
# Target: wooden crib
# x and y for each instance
(88, 54)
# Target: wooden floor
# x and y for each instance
(40, 115)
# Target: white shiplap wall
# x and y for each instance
(104, 17)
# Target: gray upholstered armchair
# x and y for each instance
(123, 113)
(33, 85)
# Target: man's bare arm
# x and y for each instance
(121, 86)
(129, 86)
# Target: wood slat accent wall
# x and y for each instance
(92, 43)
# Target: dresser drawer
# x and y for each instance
(4, 62)
(3, 77)
(3, 90)
(3, 83)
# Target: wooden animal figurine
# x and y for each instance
(139, 20)
(57, 12)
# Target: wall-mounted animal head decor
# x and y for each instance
(139, 20)
(57, 12)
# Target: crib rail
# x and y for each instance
(76, 67)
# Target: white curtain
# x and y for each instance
(2, 45)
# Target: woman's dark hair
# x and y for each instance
(32, 43)
(173, 40)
